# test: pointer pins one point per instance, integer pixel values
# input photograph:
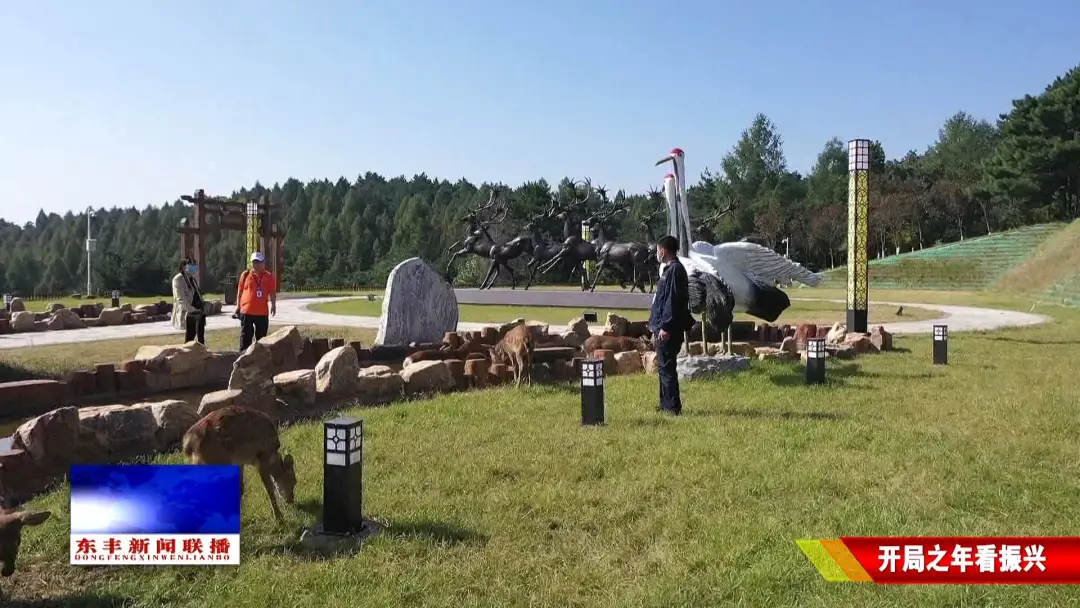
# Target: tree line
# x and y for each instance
(978, 177)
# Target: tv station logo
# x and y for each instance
(155, 515)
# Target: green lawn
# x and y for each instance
(800, 312)
(502, 499)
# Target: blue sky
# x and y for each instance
(129, 103)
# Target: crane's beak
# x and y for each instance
(670, 158)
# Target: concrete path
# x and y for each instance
(295, 312)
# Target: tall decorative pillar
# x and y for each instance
(858, 289)
(254, 221)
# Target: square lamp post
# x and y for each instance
(343, 476)
(815, 361)
(941, 345)
(7, 302)
(592, 391)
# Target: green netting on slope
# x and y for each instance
(970, 264)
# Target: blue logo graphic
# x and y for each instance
(155, 499)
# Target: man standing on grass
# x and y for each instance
(669, 320)
(256, 301)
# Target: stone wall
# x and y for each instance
(58, 317)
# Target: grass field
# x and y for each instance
(503, 499)
(800, 312)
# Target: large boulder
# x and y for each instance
(378, 384)
(296, 387)
(427, 377)
(17, 305)
(693, 368)
(68, 319)
(50, 438)
(253, 371)
(217, 400)
(173, 418)
(177, 359)
(629, 362)
(285, 346)
(22, 321)
(111, 433)
(111, 316)
(336, 372)
(419, 305)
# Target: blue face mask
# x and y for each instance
(192, 269)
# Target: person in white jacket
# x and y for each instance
(187, 312)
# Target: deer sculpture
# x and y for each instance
(652, 265)
(543, 251)
(629, 258)
(703, 230)
(501, 254)
(478, 241)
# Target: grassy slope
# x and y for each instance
(976, 263)
(1053, 272)
(503, 499)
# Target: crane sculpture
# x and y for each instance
(730, 276)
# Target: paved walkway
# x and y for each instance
(296, 312)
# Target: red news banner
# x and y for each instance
(1044, 560)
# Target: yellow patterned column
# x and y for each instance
(586, 235)
(858, 289)
(253, 224)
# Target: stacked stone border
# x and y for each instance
(58, 317)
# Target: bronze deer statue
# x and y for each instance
(478, 241)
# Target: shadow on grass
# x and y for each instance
(836, 375)
(437, 532)
(1036, 342)
(17, 373)
(779, 414)
(87, 600)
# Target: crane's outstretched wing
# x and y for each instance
(763, 265)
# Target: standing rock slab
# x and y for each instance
(695, 368)
(419, 305)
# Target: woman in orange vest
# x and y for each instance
(256, 301)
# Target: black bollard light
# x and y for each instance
(116, 298)
(590, 317)
(7, 302)
(343, 476)
(592, 391)
(941, 345)
(815, 361)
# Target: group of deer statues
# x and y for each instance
(633, 263)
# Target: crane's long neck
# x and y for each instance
(682, 218)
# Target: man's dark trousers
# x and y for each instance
(252, 327)
(667, 359)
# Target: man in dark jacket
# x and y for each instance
(669, 320)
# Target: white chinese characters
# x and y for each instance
(963, 558)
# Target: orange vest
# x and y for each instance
(255, 289)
